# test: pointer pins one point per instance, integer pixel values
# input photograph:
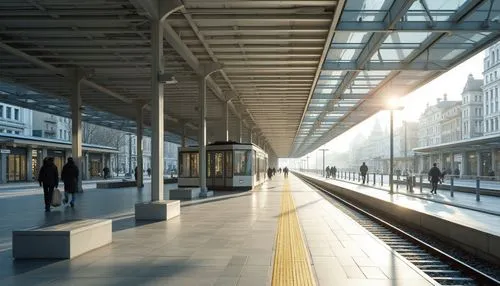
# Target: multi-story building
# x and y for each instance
(451, 122)
(490, 90)
(15, 120)
(431, 121)
(472, 108)
(51, 126)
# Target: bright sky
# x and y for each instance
(451, 83)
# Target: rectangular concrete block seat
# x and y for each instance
(62, 241)
(158, 210)
(111, 185)
(184, 193)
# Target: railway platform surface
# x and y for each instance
(282, 229)
(463, 208)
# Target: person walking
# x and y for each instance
(149, 172)
(48, 177)
(135, 173)
(334, 172)
(269, 173)
(105, 171)
(69, 176)
(434, 177)
(327, 172)
(363, 170)
(285, 171)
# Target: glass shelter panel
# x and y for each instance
(242, 163)
(228, 164)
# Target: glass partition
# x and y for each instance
(218, 164)
(193, 162)
(228, 164)
(242, 163)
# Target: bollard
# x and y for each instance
(374, 178)
(421, 183)
(477, 189)
(381, 179)
(451, 186)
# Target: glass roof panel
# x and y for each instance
(481, 13)
(366, 10)
(351, 37)
(406, 37)
(392, 55)
(328, 82)
(343, 54)
(440, 10)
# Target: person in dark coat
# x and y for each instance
(48, 177)
(334, 172)
(363, 170)
(434, 177)
(69, 176)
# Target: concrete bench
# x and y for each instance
(187, 193)
(62, 241)
(115, 184)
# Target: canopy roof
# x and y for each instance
(299, 73)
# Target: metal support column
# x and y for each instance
(226, 120)
(139, 134)
(205, 70)
(76, 127)
(29, 164)
(183, 139)
(157, 105)
(240, 134)
(494, 161)
(478, 164)
(391, 163)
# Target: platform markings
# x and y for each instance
(291, 262)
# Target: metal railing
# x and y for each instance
(489, 185)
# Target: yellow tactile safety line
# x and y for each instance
(291, 263)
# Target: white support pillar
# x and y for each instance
(29, 164)
(226, 120)
(251, 136)
(157, 110)
(478, 164)
(494, 161)
(76, 127)
(240, 134)
(139, 135)
(205, 70)
(183, 139)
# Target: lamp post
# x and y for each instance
(323, 169)
(392, 108)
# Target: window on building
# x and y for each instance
(486, 110)
(487, 126)
(9, 112)
(1, 110)
(496, 124)
(16, 114)
(60, 133)
(17, 132)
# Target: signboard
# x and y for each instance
(457, 157)
(5, 151)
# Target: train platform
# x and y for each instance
(282, 233)
(461, 208)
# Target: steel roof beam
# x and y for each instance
(420, 26)
(393, 16)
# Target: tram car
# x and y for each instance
(230, 166)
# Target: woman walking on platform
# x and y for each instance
(48, 177)
(69, 176)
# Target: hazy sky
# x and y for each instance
(451, 83)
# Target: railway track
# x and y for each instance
(440, 266)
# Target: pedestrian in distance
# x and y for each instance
(48, 178)
(334, 172)
(105, 171)
(363, 170)
(135, 172)
(69, 176)
(434, 177)
(285, 171)
(269, 173)
(327, 172)
(149, 172)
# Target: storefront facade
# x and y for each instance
(21, 157)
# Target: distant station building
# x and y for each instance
(478, 151)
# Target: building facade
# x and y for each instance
(472, 108)
(15, 120)
(490, 90)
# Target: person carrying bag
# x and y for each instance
(48, 177)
